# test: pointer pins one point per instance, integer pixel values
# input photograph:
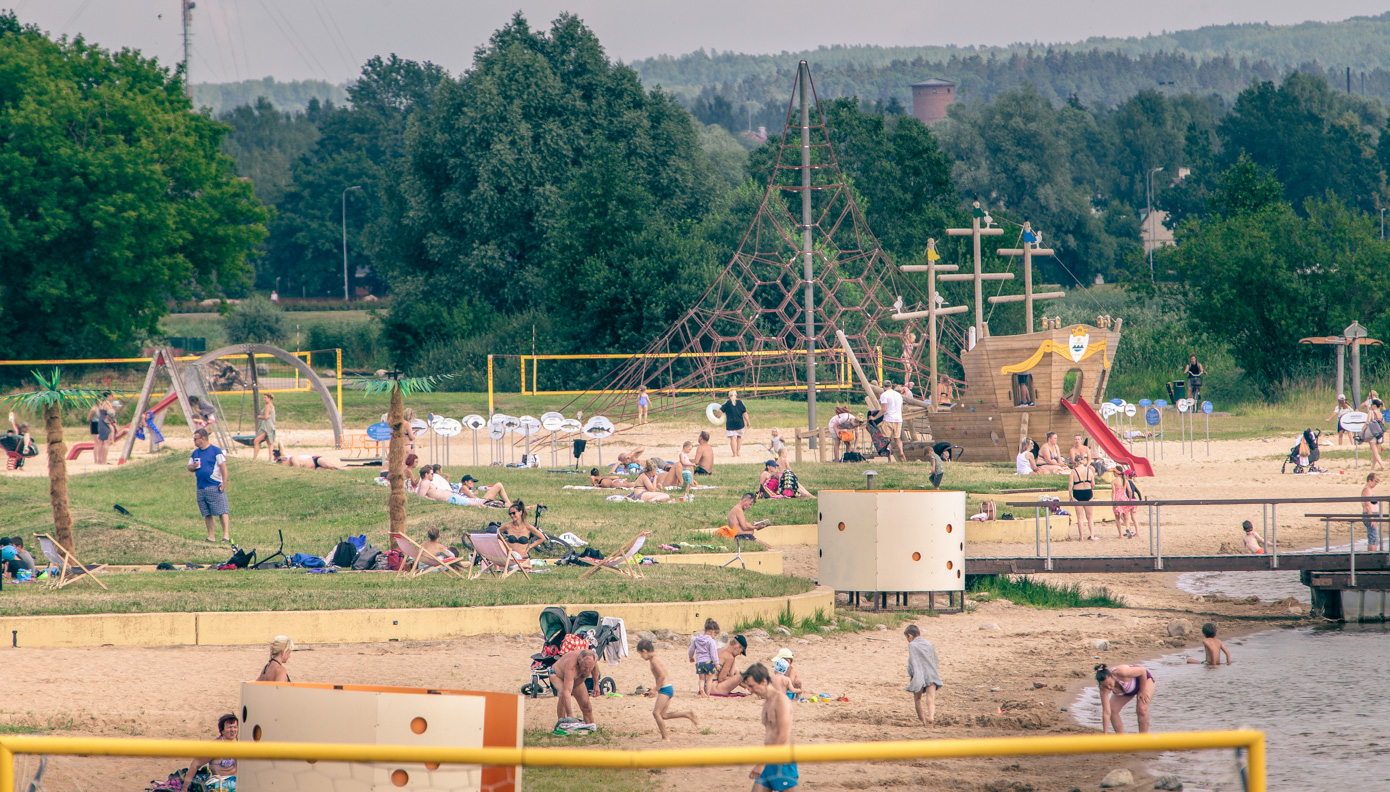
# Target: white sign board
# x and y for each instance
(447, 427)
(552, 421)
(1353, 421)
(474, 422)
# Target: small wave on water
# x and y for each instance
(1318, 694)
(1268, 586)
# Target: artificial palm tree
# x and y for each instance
(398, 387)
(50, 400)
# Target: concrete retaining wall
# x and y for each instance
(379, 626)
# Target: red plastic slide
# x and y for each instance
(76, 449)
(1096, 428)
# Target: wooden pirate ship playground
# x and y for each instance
(809, 302)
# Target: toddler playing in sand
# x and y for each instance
(704, 653)
(1253, 542)
(1213, 646)
(664, 691)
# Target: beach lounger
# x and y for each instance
(424, 562)
(622, 563)
(70, 569)
(496, 557)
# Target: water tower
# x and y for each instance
(930, 98)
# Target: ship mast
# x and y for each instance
(933, 309)
(1030, 241)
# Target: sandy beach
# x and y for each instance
(1009, 670)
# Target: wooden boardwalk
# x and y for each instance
(1315, 562)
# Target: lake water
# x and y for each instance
(1319, 694)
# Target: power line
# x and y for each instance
(331, 38)
(241, 40)
(289, 39)
(75, 16)
(346, 46)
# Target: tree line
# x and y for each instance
(547, 193)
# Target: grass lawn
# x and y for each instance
(287, 590)
(315, 509)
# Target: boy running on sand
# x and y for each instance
(1253, 542)
(1213, 647)
(664, 691)
(704, 653)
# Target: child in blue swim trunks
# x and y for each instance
(664, 691)
(777, 721)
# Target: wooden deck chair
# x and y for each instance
(423, 562)
(623, 562)
(496, 557)
(70, 569)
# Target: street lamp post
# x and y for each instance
(345, 256)
(1150, 218)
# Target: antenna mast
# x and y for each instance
(187, 8)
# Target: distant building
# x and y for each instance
(930, 98)
(759, 136)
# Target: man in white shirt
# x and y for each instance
(892, 425)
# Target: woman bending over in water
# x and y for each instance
(1119, 686)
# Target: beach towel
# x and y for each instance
(578, 487)
(922, 666)
(692, 489)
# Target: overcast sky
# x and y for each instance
(328, 39)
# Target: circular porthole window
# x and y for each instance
(256, 733)
(842, 526)
(949, 528)
(400, 778)
(916, 556)
(419, 725)
(950, 565)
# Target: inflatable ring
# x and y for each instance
(710, 414)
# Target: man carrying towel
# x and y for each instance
(922, 670)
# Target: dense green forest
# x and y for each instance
(548, 193)
(1221, 59)
(291, 96)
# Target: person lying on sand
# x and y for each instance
(310, 462)
(607, 482)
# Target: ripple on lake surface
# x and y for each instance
(1319, 695)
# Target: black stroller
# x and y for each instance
(1310, 436)
(565, 633)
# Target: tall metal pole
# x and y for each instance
(979, 290)
(804, 80)
(187, 8)
(345, 256)
(1341, 370)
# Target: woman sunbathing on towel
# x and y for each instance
(646, 489)
(607, 482)
(307, 461)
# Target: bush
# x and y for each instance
(255, 321)
(361, 341)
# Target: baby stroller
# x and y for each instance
(876, 435)
(564, 633)
(1310, 436)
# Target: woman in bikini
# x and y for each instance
(280, 650)
(1083, 482)
(646, 489)
(307, 461)
(1119, 686)
(607, 482)
(221, 773)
